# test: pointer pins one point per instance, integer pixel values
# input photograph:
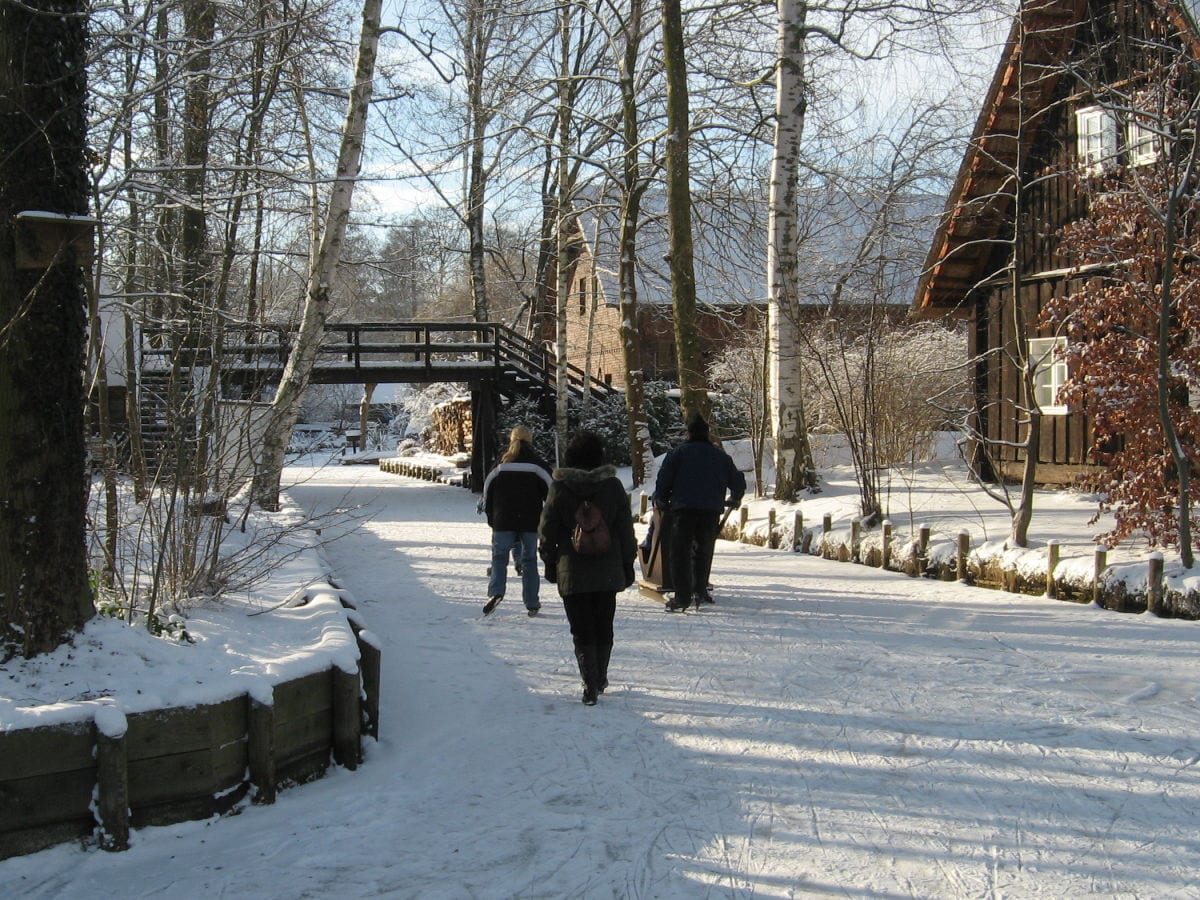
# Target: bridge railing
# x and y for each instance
(525, 352)
(428, 345)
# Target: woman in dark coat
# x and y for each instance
(588, 584)
(513, 494)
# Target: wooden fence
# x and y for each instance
(99, 777)
(949, 558)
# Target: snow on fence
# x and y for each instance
(100, 777)
(1135, 587)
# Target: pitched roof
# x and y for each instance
(730, 246)
(1026, 79)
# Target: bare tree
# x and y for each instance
(265, 487)
(692, 386)
(859, 31)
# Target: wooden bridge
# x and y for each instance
(493, 360)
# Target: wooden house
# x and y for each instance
(730, 294)
(1051, 112)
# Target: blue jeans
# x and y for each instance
(503, 544)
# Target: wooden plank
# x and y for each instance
(302, 697)
(169, 813)
(43, 751)
(33, 838)
(303, 735)
(304, 768)
(45, 799)
(178, 776)
(185, 729)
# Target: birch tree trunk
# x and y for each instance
(794, 469)
(265, 487)
(562, 269)
(632, 188)
(693, 393)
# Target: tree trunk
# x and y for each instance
(632, 188)
(44, 592)
(476, 188)
(1183, 465)
(562, 245)
(284, 408)
(794, 470)
(693, 392)
(1022, 511)
(364, 414)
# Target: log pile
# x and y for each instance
(450, 427)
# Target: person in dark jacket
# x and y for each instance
(513, 494)
(692, 483)
(588, 584)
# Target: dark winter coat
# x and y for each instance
(696, 475)
(513, 493)
(574, 573)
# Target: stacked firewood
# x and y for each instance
(450, 427)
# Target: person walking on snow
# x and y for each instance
(692, 483)
(587, 582)
(513, 494)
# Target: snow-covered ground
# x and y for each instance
(825, 728)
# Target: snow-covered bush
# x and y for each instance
(609, 419)
(419, 404)
(524, 411)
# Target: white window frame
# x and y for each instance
(1142, 143)
(1049, 374)
(1096, 138)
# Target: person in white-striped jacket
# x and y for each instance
(513, 494)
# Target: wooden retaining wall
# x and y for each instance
(100, 777)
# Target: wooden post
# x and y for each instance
(112, 779)
(743, 518)
(347, 718)
(922, 549)
(827, 523)
(1154, 585)
(964, 545)
(855, 528)
(797, 531)
(1051, 566)
(643, 504)
(772, 540)
(886, 551)
(260, 748)
(1100, 564)
(370, 662)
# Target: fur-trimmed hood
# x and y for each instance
(583, 479)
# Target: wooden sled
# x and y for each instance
(655, 582)
(656, 573)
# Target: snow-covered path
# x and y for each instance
(823, 729)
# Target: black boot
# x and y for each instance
(587, 672)
(602, 655)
